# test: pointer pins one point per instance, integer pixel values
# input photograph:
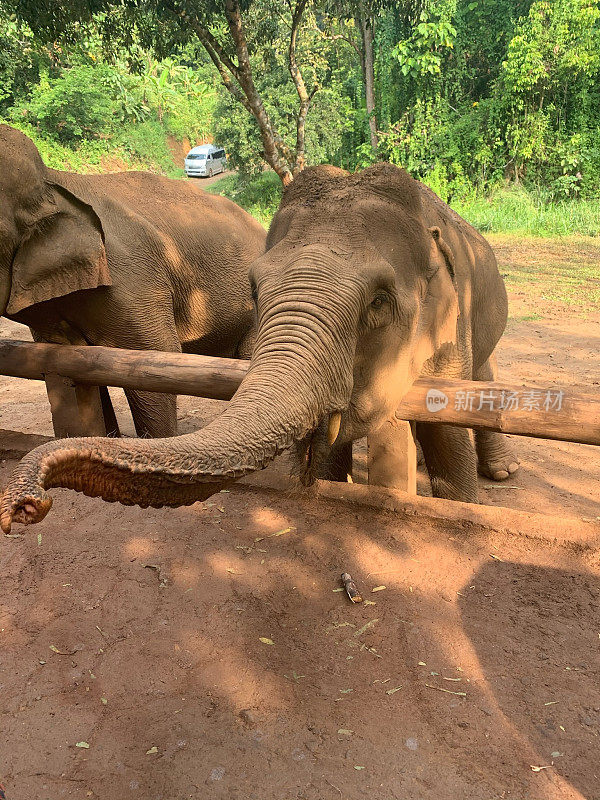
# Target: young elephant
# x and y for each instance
(369, 281)
(128, 260)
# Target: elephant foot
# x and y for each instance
(495, 457)
(499, 470)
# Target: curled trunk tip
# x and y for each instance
(25, 499)
(25, 508)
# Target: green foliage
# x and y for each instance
(329, 121)
(21, 58)
(259, 196)
(494, 103)
(421, 54)
(549, 84)
(529, 114)
(508, 210)
(75, 106)
(90, 111)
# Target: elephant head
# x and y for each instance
(51, 241)
(354, 295)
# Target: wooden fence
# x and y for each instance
(73, 375)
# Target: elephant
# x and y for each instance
(368, 281)
(130, 260)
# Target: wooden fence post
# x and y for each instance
(76, 408)
(392, 458)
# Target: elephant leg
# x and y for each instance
(339, 464)
(450, 459)
(495, 456)
(110, 418)
(154, 415)
(392, 459)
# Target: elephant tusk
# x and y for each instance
(333, 428)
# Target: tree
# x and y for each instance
(364, 16)
(220, 28)
(359, 35)
(235, 69)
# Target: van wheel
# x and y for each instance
(210, 173)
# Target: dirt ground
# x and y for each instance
(207, 652)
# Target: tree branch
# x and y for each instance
(303, 94)
(232, 88)
(277, 153)
(206, 37)
(333, 37)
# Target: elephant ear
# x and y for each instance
(442, 291)
(440, 253)
(62, 251)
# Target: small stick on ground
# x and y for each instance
(351, 588)
(447, 691)
(158, 569)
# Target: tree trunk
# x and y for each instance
(238, 79)
(366, 29)
(303, 95)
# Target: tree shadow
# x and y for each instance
(538, 649)
(218, 635)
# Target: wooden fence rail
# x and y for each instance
(73, 375)
(547, 413)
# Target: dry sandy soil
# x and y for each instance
(207, 652)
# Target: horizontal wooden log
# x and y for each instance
(544, 413)
(556, 413)
(149, 370)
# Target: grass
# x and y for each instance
(505, 210)
(259, 196)
(535, 317)
(542, 271)
(526, 213)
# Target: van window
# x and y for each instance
(219, 154)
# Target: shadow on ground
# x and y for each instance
(206, 652)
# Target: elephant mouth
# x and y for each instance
(314, 448)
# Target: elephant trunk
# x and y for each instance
(301, 372)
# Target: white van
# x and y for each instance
(205, 161)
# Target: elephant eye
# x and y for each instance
(254, 292)
(379, 300)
